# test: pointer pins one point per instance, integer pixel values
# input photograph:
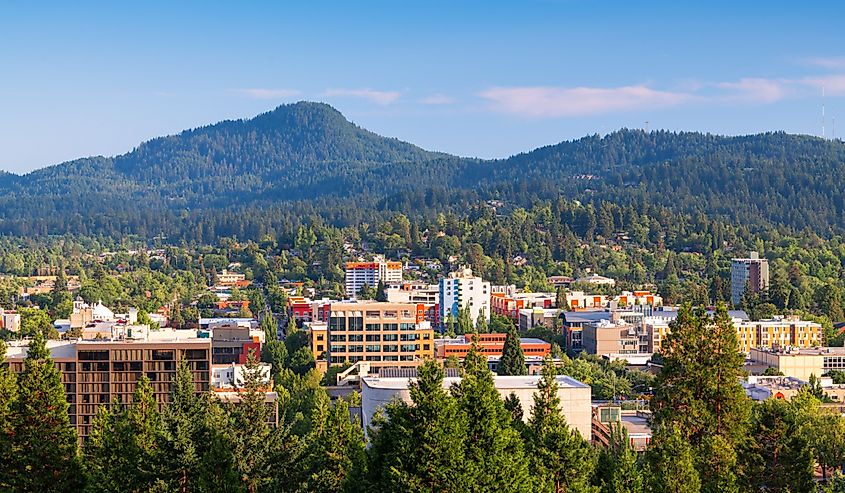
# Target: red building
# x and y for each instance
(490, 345)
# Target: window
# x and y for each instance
(373, 338)
(162, 354)
(373, 327)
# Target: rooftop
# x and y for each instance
(501, 382)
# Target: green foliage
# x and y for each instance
(420, 448)
(8, 396)
(618, 469)
(512, 361)
(44, 443)
(561, 458)
(671, 465)
(35, 321)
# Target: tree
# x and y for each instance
(670, 465)
(560, 299)
(420, 447)
(618, 470)
(35, 321)
(270, 327)
(779, 458)
(144, 319)
(481, 323)
(465, 324)
(698, 394)
(495, 459)
(381, 294)
(512, 361)
(44, 442)
(335, 449)
(181, 418)
(8, 396)
(255, 445)
(560, 457)
(122, 453)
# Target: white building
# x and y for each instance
(597, 280)
(360, 274)
(574, 396)
(460, 290)
(750, 272)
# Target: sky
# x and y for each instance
(473, 78)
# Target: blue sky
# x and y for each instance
(475, 78)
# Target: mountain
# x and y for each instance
(251, 177)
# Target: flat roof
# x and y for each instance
(500, 382)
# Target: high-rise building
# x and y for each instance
(748, 272)
(376, 332)
(360, 274)
(460, 290)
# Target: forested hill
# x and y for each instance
(306, 159)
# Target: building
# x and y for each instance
(95, 372)
(636, 298)
(614, 338)
(597, 280)
(232, 343)
(378, 332)
(10, 320)
(419, 293)
(231, 279)
(574, 396)
(751, 272)
(800, 363)
(360, 274)
(560, 281)
(635, 422)
(778, 333)
(461, 290)
(534, 317)
(579, 300)
(488, 344)
(509, 306)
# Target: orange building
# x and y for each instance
(510, 305)
(489, 344)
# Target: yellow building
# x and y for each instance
(776, 333)
(374, 331)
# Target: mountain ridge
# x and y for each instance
(310, 157)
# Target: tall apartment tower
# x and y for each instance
(461, 289)
(360, 274)
(750, 272)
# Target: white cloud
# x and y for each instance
(263, 93)
(438, 99)
(579, 101)
(755, 90)
(834, 85)
(829, 62)
(378, 97)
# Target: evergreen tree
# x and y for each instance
(671, 465)
(618, 470)
(512, 361)
(270, 327)
(481, 323)
(335, 449)
(381, 294)
(560, 299)
(779, 457)
(698, 393)
(181, 418)
(44, 443)
(255, 443)
(8, 395)
(495, 459)
(420, 447)
(122, 452)
(560, 457)
(514, 407)
(465, 324)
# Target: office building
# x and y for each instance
(575, 403)
(376, 331)
(360, 274)
(488, 344)
(801, 363)
(509, 305)
(461, 290)
(748, 273)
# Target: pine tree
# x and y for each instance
(512, 361)
(671, 465)
(561, 458)
(419, 447)
(8, 395)
(381, 294)
(122, 453)
(181, 417)
(44, 443)
(495, 459)
(618, 469)
(698, 393)
(335, 449)
(254, 443)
